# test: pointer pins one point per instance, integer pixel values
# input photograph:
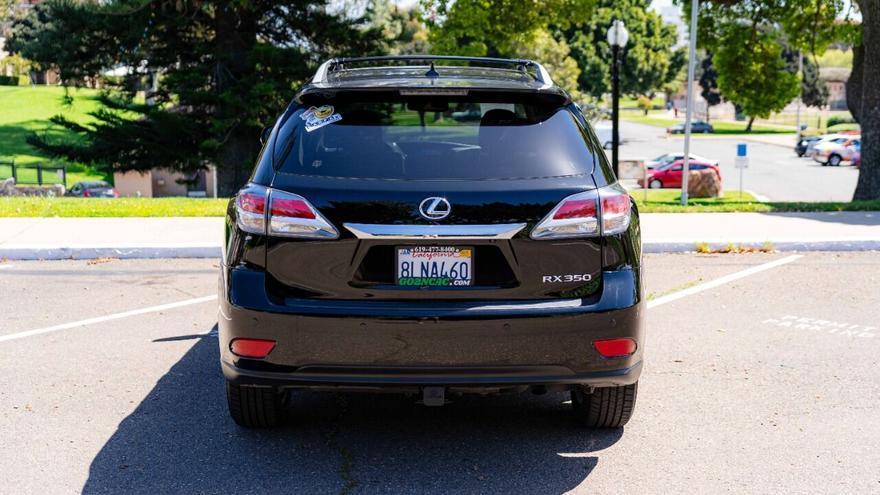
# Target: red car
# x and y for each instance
(670, 175)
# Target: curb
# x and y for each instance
(25, 253)
(777, 246)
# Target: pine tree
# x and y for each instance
(223, 71)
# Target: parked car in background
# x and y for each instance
(669, 175)
(837, 151)
(92, 189)
(857, 159)
(671, 157)
(805, 145)
(697, 127)
(824, 140)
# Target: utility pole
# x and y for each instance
(800, 94)
(692, 61)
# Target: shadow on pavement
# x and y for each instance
(181, 440)
(841, 217)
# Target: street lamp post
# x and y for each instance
(617, 38)
(692, 64)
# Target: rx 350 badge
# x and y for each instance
(566, 278)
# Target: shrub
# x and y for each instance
(839, 119)
(8, 80)
(645, 103)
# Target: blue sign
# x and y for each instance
(741, 150)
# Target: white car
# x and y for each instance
(824, 141)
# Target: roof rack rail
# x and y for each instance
(323, 72)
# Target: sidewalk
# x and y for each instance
(86, 238)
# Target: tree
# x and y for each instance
(814, 91)
(502, 28)
(863, 98)
(649, 60)
(403, 31)
(709, 83)
(225, 70)
(496, 27)
(746, 50)
(554, 55)
(811, 26)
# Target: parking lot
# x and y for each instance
(775, 172)
(761, 377)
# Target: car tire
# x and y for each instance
(834, 160)
(254, 407)
(655, 184)
(606, 407)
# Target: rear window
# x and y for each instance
(437, 139)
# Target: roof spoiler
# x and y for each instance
(334, 64)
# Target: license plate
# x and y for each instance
(437, 266)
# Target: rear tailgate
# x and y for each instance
(490, 219)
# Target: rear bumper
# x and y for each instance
(380, 344)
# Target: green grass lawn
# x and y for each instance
(659, 201)
(24, 110)
(720, 127)
(120, 207)
(669, 201)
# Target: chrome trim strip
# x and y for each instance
(379, 231)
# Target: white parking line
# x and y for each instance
(721, 281)
(101, 319)
(162, 307)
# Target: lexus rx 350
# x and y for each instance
(433, 226)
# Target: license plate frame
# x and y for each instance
(458, 255)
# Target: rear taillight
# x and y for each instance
(591, 213)
(250, 206)
(267, 211)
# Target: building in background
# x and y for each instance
(160, 183)
(835, 79)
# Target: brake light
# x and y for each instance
(250, 206)
(293, 208)
(615, 348)
(267, 211)
(251, 348)
(615, 212)
(290, 215)
(591, 213)
(578, 208)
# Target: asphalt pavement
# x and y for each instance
(761, 377)
(775, 172)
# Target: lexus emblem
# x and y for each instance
(435, 208)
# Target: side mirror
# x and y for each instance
(264, 136)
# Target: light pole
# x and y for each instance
(692, 63)
(617, 38)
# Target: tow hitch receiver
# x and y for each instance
(433, 396)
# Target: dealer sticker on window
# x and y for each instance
(435, 266)
(317, 117)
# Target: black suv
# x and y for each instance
(436, 226)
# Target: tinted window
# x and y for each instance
(437, 139)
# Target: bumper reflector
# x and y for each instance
(615, 348)
(251, 348)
